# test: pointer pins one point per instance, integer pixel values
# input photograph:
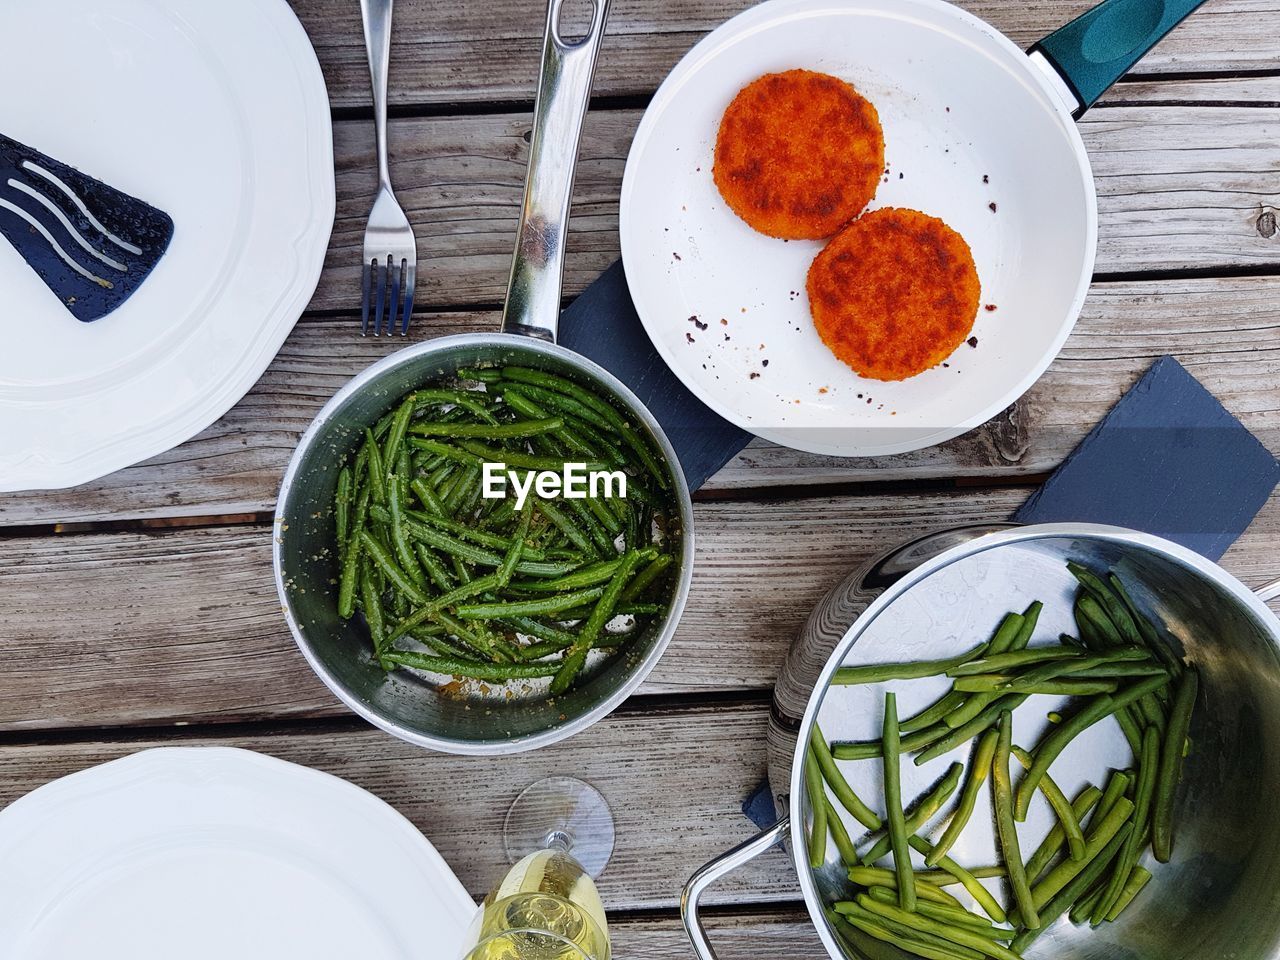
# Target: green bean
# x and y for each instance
(481, 374)
(932, 714)
(922, 812)
(1030, 617)
(880, 672)
(880, 877)
(599, 536)
(1085, 801)
(983, 721)
(528, 608)
(817, 812)
(1138, 878)
(476, 671)
(373, 614)
(646, 577)
(979, 769)
(1058, 738)
(1171, 756)
(893, 804)
(941, 878)
(1131, 730)
(465, 531)
(1013, 660)
(970, 882)
(395, 436)
(450, 599)
(469, 400)
(351, 560)
(482, 557)
(945, 914)
(1084, 907)
(1100, 835)
(588, 576)
(466, 489)
(374, 471)
(1121, 670)
(1112, 606)
(1062, 901)
(379, 555)
(591, 629)
(952, 932)
(1060, 804)
(404, 554)
(543, 381)
(342, 505)
(565, 526)
(1146, 628)
(516, 551)
(915, 944)
(1002, 801)
(1094, 623)
(514, 458)
(1143, 794)
(1011, 683)
(542, 631)
(426, 496)
(836, 780)
(608, 519)
(848, 853)
(485, 431)
(867, 749)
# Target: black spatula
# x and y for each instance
(90, 243)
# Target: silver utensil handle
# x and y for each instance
(564, 88)
(713, 871)
(1270, 592)
(377, 41)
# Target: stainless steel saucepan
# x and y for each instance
(400, 703)
(1218, 896)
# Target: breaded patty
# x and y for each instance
(799, 154)
(894, 293)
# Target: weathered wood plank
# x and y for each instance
(1224, 330)
(675, 807)
(1178, 188)
(766, 933)
(473, 51)
(127, 629)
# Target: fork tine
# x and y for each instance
(393, 288)
(365, 280)
(410, 271)
(380, 281)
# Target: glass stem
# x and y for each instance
(559, 840)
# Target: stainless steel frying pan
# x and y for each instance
(399, 703)
(1217, 898)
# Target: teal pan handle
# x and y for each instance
(1097, 48)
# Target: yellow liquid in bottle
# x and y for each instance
(546, 891)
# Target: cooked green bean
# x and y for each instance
(1143, 795)
(1060, 804)
(880, 672)
(947, 931)
(1030, 617)
(836, 780)
(576, 658)
(906, 939)
(921, 813)
(1099, 836)
(941, 878)
(1171, 756)
(1062, 901)
(974, 705)
(945, 914)
(979, 769)
(646, 577)
(351, 560)
(881, 877)
(477, 671)
(966, 879)
(485, 431)
(1058, 738)
(342, 505)
(375, 469)
(893, 804)
(373, 614)
(1085, 801)
(817, 812)
(1145, 627)
(1112, 606)
(844, 843)
(983, 721)
(1138, 878)
(1011, 683)
(529, 608)
(1006, 829)
(376, 552)
(395, 436)
(868, 749)
(1013, 660)
(932, 714)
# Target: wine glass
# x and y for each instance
(547, 906)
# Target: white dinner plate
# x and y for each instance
(215, 112)
(968, 124)
(213, 854)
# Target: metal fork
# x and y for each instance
(390, 249)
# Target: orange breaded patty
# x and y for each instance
(799, 154)
(894, 293)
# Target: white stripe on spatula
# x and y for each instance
(40, 229)
(67, 225)
(71, 195)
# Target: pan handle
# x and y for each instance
(1100, 46)
(1269, 592)
(564, 88)
(708, 874)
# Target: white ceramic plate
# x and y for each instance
(958, 103)
(215, 853)
(217, 114)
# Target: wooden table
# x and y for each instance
(140, 609)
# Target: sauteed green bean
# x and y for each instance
(502, 574)
(1088, 866)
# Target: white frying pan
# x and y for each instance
(977, 132)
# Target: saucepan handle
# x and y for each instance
(564, 89)
(713, 871)
(1100, 46)
(1270, 592)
